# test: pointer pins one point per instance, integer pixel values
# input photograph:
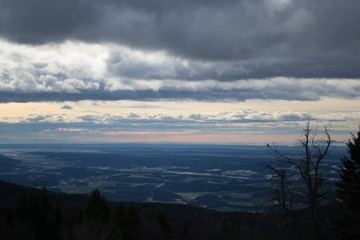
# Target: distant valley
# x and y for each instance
(221, 177)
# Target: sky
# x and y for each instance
(212, 71)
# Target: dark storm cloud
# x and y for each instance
(266, 37)
(286, 89)
(41, 21)
(235, 70)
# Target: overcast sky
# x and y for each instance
(183, 71)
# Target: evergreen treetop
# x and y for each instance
(349, 184)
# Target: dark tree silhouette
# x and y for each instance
(299, 181)
(97, 208)
(38, 216)
(348, 191)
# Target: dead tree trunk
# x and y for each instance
(308, 170)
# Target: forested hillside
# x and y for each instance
(36, 213)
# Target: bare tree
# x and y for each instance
(299, 181)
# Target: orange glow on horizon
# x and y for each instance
(206, 138)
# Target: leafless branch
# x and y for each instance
(308, 169)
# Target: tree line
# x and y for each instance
(38, 215)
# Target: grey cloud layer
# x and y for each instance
(163, 120)
(60, 127)
(225, 122)
(285, 89)
(265, 38)
(76, 71)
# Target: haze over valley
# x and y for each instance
(222, 177)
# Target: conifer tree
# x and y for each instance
(97, 208)
(348, 191)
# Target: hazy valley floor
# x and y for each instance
(222, 177)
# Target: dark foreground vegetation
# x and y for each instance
(35, 213)
(40, 214)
